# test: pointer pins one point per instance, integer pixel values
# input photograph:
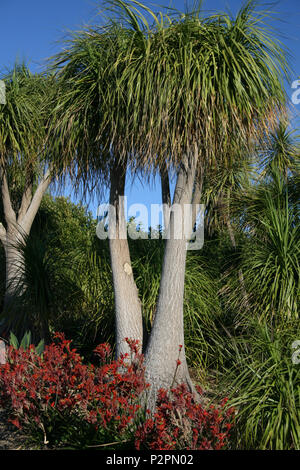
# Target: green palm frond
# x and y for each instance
(269, 256)
(283, 153)
(153, 90)
(264, 387)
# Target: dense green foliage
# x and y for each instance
(241, 300)
(242, 349)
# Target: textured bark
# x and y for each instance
(10, 239)
(14, 263)
(128, 311)
(168, 330)
(16, 231)
(166, 194)
(9, 213)
(26, 220)
(2, 233)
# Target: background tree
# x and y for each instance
(25, 173)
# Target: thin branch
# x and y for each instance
(28, 218)
(26, 200)
(9, 213)
(110, 443)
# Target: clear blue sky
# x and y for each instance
(30, 31)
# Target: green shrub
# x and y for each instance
(264, 386)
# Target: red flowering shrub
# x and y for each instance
(57, 398)
(182, 423)
(56, 393)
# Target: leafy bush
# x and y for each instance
(59, 400)
(264, 386)
(182, 423)
(52, 397)
(269, 258)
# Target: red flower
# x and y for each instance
(107, 397)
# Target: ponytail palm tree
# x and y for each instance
(25, 173)
(270, 254)
(179, 92)
(282, 153)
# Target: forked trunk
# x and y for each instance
(167, 335)
(16, 231)
(128, 311)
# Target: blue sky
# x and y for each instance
(30, 31)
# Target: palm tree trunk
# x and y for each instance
(197, 194)
(14, 263)
(14, 267)
(167, 335)
(165, 194)
(128, 311)
(16, 231)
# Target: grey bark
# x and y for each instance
(197, 193)
(14, 264)
(128, 310)
(168, 330)
(26, 220)
(16, 231)
(165, 193)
